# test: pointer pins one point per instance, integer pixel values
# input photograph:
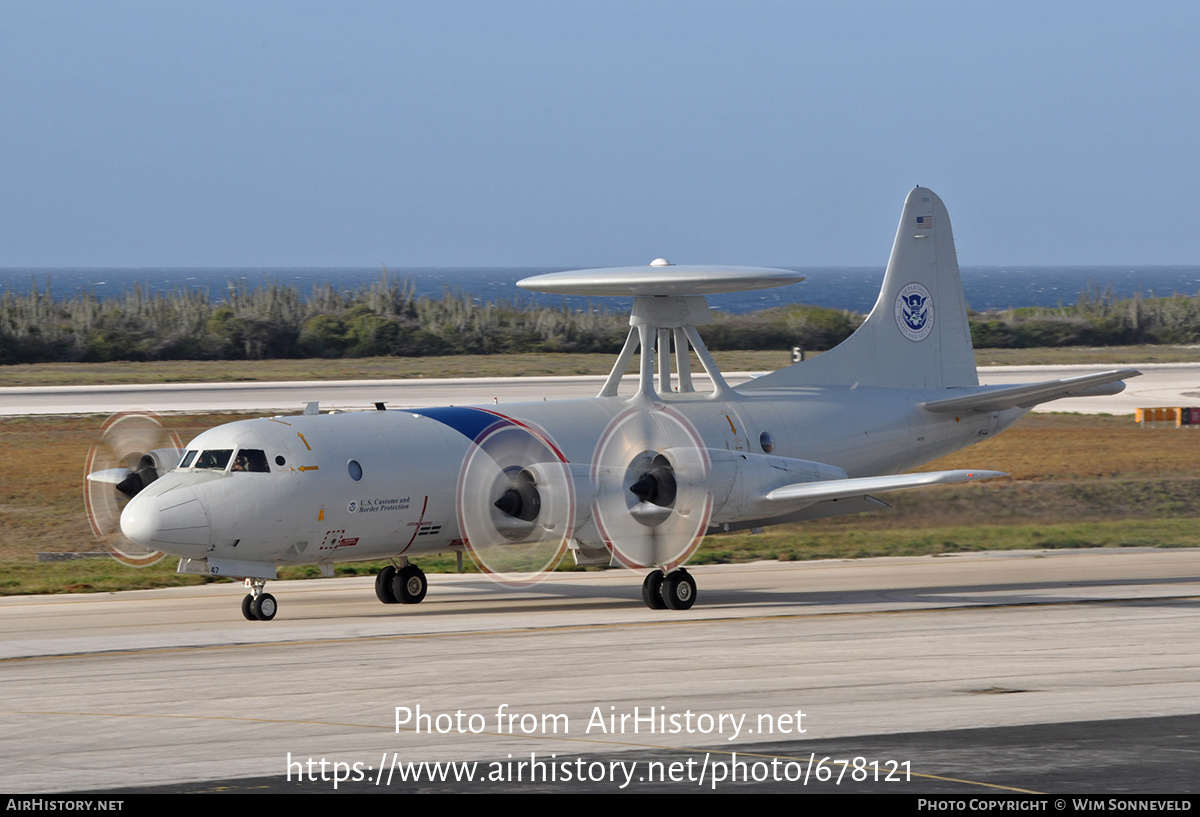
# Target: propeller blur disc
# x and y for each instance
(650, 470)
(516, 503)
(124, 439)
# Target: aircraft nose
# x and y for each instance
(168, 516)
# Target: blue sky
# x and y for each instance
(593, 133)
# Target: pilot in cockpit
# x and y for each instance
(250, 459)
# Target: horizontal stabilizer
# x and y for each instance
(1026, 395)
(842, 488)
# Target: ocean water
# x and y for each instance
(853, 288)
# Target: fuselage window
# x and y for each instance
(355, 470)
(251, 459)
(217, 458)
(766, 442)
(187, 459)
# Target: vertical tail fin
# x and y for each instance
(916, 336)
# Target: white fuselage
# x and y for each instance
(382, 484)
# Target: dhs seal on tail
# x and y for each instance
(914, 312)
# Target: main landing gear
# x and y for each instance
(259, 606)
(404, 586)
(675, 590)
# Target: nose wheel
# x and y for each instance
(257, 605)
(675, 590)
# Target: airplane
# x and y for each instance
(634, 480)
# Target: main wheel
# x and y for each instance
(409, 585)
(652, 590)
(679, 590)
(264, 607)
(383, 585)
(248, 608)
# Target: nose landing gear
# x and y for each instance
(257, 605)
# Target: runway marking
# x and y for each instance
(593, 627)
(502, 735)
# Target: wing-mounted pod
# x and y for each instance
(134, 450)
(517, 502)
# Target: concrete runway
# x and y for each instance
(1166, 384)
(1073, 671)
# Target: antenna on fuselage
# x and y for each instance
(668, 303)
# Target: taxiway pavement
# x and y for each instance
(1166, 384)
(173, 687)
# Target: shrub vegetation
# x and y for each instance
(388, 318)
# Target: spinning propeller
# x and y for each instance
(650, 472)
(516, 503)
(520, 502)
(133, 451)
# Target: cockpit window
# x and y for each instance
(215, 458)
(250, 459)
(187, 459)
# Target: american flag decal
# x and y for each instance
(924, 222)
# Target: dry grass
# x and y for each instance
(1097, 355)
(1072, 446)
(1076, 481)
(41, 484)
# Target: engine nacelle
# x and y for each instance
(739, 482)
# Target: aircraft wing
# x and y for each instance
(1025, 395)
(860, 486)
